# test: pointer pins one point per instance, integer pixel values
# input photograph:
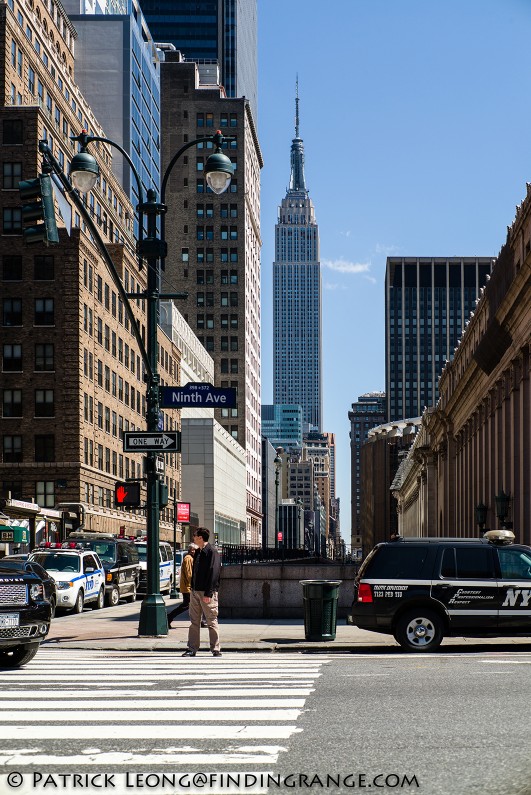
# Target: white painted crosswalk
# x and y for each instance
(121, 711)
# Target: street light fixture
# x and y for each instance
(481, 515)
(503, 502)
(84, 173)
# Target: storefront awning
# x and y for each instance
(14, 534)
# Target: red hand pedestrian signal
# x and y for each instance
(127, 495)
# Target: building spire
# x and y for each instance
(297, 181)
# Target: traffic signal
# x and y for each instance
(127, 495)
(39, 192)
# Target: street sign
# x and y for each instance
(166, 442)
(197, 395)
(127, 495)
(160, 465)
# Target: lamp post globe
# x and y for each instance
(218, 172)
(84, 172)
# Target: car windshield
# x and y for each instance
(53, 561)
(105, 551)
(142, 552)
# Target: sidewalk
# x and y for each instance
(116, 629)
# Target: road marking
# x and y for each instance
(171, 703)
(149, 732)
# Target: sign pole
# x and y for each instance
(173, 592)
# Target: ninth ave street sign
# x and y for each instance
(200, 395)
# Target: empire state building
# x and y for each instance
(297, 296)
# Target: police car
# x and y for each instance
(165, 566)
(78, 574)
(423, 589)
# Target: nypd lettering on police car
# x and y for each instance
(517, 597)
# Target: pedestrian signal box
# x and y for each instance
(127, 495)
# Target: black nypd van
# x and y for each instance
(423, 589)
(119, 557)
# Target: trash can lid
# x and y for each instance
(320, 582)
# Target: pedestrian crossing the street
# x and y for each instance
(117, 711)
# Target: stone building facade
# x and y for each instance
(72, 376)
(476, 443)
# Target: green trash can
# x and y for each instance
(320, 608)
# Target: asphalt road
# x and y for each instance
(454, 723)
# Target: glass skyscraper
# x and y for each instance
(297, 296)
(219, 30)
(428, 301)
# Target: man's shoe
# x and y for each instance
(216, 654)
(204, 624)
(189, 653)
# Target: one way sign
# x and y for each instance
(167, 442)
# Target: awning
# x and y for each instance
(14, 534)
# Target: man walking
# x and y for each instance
(204, 594)
(185, 583)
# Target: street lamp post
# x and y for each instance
(481, 516)
(173, 592)
(84, 173)
(278, 465)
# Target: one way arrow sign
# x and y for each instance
(167, 442)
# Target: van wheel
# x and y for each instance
(132, 596)
(78, 607)
(100, 601)
(419, 630)
(114, 597)
(53, 607)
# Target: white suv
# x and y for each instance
(78, 574)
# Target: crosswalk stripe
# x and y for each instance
(146, 701)
(160, 694)
(150, 732)
(228, 710)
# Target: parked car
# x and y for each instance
(78, 573)
(22, 563)
(24, 616)
(165, 562)
(119, 557)
(423, 589)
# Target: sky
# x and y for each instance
(416, 121)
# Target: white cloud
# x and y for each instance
(344, 266)
(381, 248)
(334, 286)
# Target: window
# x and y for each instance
(12, 132)
(12, 220)
(45, 493)
(44, 357)
(396, 562)
(12, 175)
(12, 358)
(12, 312)
(45, 447)
(43, 268)
(200, 299)
(200, 323)
(12, 449)
(234, 365)
(44, 312)
(209, 344)
(12, 268)
(12, 403)
(514, 564)
(184, 255)
(44, 403)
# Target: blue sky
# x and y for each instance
(416, 120)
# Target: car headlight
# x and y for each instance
(62, 585)
(36, 592)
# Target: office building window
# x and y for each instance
(12, 358)
(43, 268)
(45, 493)
(45, 447)
(12, 268)
(12, 403)
(12, 449)
(12, 176)
(44, 403)
(12, 220)
(44, 312)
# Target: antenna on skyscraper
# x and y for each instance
(297, 107)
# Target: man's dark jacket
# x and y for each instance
(207, 570)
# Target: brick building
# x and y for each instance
(72, 377)
(214, 249)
